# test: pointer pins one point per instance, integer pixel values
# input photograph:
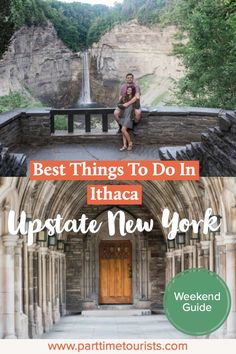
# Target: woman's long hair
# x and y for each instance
(126, 97)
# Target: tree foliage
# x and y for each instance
(17, 99)
(6, 25)
(78, 25)
(150, 12)
(27, 12)
(208, 52)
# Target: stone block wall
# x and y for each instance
(175, 126)
(25, 127)
(10, 129)
(165, 126)
(156, 250)
(35, 129)
(74, 268)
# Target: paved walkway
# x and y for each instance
(92, 151)
(132, 327)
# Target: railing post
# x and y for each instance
(70, 122)
(105, 122)
(52, 123)
(87, 122)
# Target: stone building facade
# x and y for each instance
(41, 283)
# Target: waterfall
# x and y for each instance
(85, 97)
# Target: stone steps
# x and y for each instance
(216, 151)
(116, 312)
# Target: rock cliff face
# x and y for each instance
(141, 50)
(39, 63)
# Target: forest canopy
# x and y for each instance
(79, 25)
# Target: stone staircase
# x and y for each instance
(12, 164)
(116, 311)
(216, 151)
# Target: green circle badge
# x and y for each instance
(197, 301)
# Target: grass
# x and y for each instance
(61, 122)
(17, 100)
(145, 83)
(159, 98)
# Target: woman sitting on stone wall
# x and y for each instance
(126, 120)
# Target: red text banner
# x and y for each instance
(114, 194)
(114, 170)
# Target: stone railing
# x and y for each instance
(165, 126)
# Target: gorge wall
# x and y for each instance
(145, 52)
(39, 64)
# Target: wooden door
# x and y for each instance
(115, 270)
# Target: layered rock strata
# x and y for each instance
(144, 51)
(38, 64)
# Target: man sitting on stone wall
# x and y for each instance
(135, 101)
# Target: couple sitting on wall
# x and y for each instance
(128, 112)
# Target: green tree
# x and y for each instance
(6, 25)
(27, 12)
(97, 29)
(208, 52)
(149, 13)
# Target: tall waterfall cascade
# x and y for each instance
(85, 96)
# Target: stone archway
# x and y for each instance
(148, 264)
(42, 277)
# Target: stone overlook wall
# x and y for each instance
(170, 126)
(175, 126)
(207, 135)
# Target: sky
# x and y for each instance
(94, 2)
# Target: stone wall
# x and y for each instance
(206, 135)
(175, 126)
(162, 126)
(156, 268)
(35, 129)
(74, 268)
(25, 127)
(10, 128)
